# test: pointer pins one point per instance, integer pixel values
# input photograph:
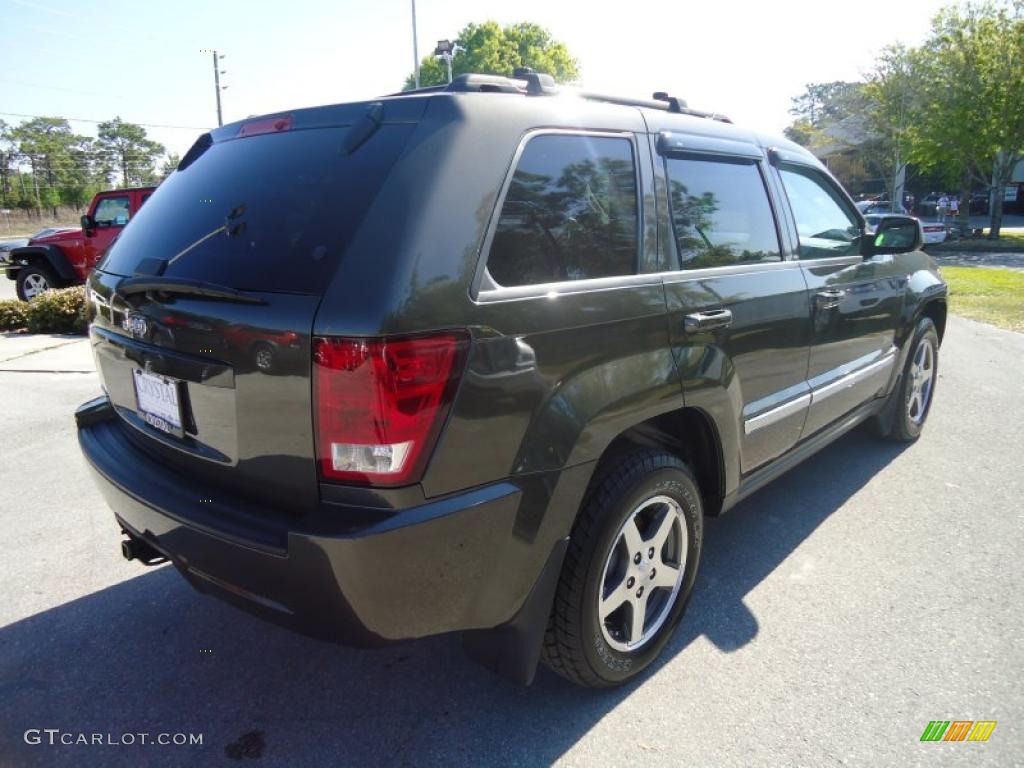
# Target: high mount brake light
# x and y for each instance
(380, 404)
(266, 125)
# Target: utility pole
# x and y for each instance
(216, 84)
(415, 46)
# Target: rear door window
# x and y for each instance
(570, 212)
(272, 212)
(720, 212)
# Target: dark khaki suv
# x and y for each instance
(481, 358)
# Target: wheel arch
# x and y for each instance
(688, 433)
(48, 255)
(936, 311)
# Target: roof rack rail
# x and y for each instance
(679, 106)
(661, 100)
(525, 81)
(674, 104)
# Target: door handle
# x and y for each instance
(830, 298)
(706, 321)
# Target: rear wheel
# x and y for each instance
(33, 279)
(629, 570)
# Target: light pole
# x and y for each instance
(415, 46)
(447, 50)
(217, 72)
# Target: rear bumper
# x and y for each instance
(461, 562)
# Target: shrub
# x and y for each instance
(59, 311)
(13, 314)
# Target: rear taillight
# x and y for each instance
(380, 403)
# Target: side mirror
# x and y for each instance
(894, 234)
(88, 224)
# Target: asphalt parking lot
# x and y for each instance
(871, 590)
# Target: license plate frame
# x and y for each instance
(158, 402)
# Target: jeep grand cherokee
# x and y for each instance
(522, 342)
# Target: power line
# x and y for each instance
(89, 120)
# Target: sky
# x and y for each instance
(147, 62)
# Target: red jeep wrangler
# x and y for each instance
(66, 258)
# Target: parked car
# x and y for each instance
(877, 206)
(979, 204)
(927, 206)
(6, 246)
(543, 335)
(56, 257)
(931, 232)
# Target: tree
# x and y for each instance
(59, 159)
(825, 103)
(831, 121)
(803, 132)
(1001, 54)
(170, 163)
(496, 50)
(893, 106)
(126, 147)
(973, 83)
(8, 153)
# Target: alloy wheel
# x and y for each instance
(643, 573)
(922, 379)
(34, 285)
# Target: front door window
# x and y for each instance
(825, 225)
(112, 212)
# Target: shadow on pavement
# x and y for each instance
(149, 655)
(974, 259)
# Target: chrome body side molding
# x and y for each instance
(860, 374)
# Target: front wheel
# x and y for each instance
(629, 571)
(263, 355)
(33, 280)
(904, 415)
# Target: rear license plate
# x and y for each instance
(159, 401)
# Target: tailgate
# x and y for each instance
(241, 373)
(204, 305)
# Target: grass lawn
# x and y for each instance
(990, 294)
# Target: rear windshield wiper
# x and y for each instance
(182, 286)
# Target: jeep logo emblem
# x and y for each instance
(135, 324)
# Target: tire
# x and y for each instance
(34, 279)
(909, 404)
(659, 493)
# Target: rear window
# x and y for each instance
(264, 213)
